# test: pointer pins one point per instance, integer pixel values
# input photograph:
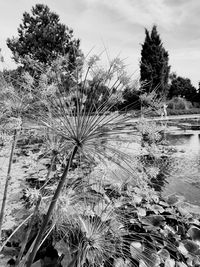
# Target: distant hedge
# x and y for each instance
(183, 111)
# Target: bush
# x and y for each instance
(178, 103)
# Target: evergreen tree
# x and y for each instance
(154, 68)
(43, 38)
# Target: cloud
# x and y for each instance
(119, 25)
(143, 12)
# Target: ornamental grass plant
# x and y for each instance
(78, 115)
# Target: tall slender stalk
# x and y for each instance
(8, 177)
(25, 240)
(51, 207)
(13, 233)
(23, 261)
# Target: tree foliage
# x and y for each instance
(131, 98)
(154, 67)
(182, 87)
(43, 38)
(198, 93)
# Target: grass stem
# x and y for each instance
(51, 207)
(8, 177)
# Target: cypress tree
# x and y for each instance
(154, 68)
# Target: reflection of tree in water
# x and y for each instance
(161, 167)
(179, 139)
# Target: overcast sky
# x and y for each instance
(118, 26)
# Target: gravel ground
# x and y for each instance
(13, 205)
(14, 190)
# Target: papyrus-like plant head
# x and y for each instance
(79, 110)
(15, 100)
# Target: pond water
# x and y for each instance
(183, 177)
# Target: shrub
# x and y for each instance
(179, 103)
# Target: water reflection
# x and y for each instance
(189, 141)
(184, 175)
(194, 142)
